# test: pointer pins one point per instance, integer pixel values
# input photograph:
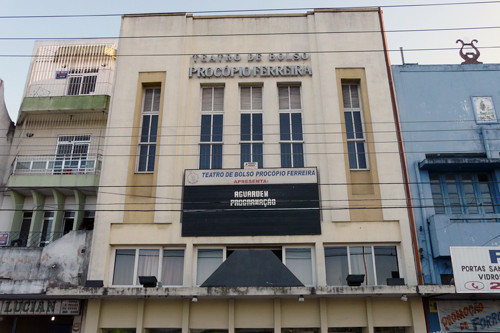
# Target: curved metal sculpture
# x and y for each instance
(469, 57)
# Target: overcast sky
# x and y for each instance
(14, 60)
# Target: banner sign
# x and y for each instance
(469, 316)
(238, 202)
(39, 307)
(476, 269)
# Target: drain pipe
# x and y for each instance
(401, 151)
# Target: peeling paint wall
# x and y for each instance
(61, 263)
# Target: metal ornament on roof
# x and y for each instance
(469, 57)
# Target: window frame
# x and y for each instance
(462, 194)
(195, 262)
(291, 143)
(135, 284)
(352, 110)
(211, 113)
(81, 73)
(313, 261)
(150, 114)
(252, 142)
(374, 262)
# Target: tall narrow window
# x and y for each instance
(212, 107)
(251, 125)
(46, 235)
(356, 142)
(149, 130)
(291, 139)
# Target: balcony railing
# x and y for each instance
(57, 165)
(28, 239)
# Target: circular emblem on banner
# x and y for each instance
(192, 178)
(474, 285)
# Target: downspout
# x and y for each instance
(401, 152)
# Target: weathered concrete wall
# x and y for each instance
(61, 263)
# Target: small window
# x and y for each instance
(82, 81)
(123, 274)
(376, 263)
(147, 264)
(172, 267)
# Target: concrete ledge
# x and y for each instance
(235, 292)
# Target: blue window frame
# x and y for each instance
(463, 193)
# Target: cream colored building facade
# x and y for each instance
(198, 96)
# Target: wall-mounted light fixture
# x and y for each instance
(194, 299)
(301, 298)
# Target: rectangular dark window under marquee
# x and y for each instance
(212, 108)
(291, 138)
(376, 263)
(149, 129)
(353, 117)
(251, 125)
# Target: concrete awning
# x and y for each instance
(252, 268)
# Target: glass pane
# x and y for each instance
(299, 262)
(205, 156)
(283, 98)
(245, 154)
(218, 99)
(148, 100)
(245, 127)
(143, 157)
(286, 155)
(298, 155)
(154, 128)
(156, 100)
(362, 263)
(256, 98)
(74, 85)
(437, 195)
(336, 265)
(295, 98)
(386, 263)
(208, 261)
(284, 126)
(296, 126)
(361, 155)
(258, 155)
(148, 263)
(357, 125)
(354, 96)
(145, 128)
(172, 270)
(257, 126)
(485, 192)
(346, 96)
(206, 127)
(124, 267)
(469, 194)
(245, 100)
(151, 157)
(454, 199)
(206, 99)
(216, 157)
(351, 152)
(88, 85)
(349, 125)
(217, 130)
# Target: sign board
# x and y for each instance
(4, 238)
(469, 316)
(61, 75)
(476, 269)
(39, 307)
(239, 202)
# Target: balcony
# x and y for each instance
(463, 230)
(90, 164)
(28, 239)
